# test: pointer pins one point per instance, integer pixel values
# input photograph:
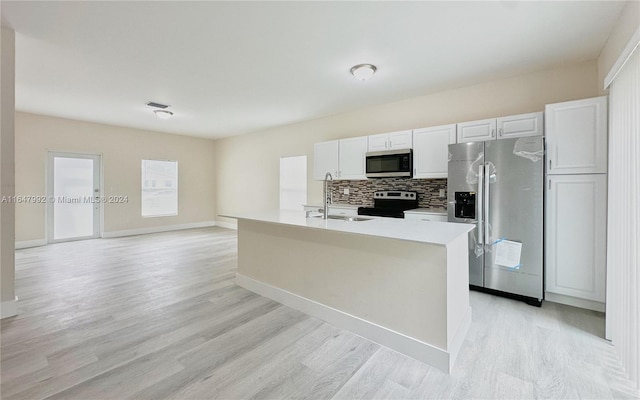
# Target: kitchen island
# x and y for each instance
(403, 284)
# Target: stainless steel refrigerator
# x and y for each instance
(498, 186)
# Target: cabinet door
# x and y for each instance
(325, 159)
(400, 140)
(352, 212)
(352, 158)
(520, 125)
(431, 151)
(575, 237)
(378, 142)
(474, 131)
(576, 134)
(425, 217)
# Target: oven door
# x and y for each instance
(383, 164)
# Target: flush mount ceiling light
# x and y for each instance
(163, 114)
(363, 71)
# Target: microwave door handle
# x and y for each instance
(486, 204)
(479, 206)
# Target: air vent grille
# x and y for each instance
(157, 105)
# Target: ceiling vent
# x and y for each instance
(157, 105)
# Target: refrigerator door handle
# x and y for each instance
(479, 205)
(485, 202)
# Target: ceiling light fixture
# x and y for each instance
(363, 71)
(163, 114)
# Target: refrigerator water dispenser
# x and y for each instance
(465, 205)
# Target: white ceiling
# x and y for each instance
(228, 68)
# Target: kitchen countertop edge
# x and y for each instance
(431, 232)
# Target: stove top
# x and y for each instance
(391, 203)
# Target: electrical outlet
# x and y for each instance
(346, 191)
(442, 194)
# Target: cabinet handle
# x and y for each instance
(414, 171)
(385, 144)
(390, 144)
(549, 184)
(500, 132)
(493, 132)
(549, 164)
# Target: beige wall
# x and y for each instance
(7, 110)
(626, 25)
(247, 166)
(122, 150)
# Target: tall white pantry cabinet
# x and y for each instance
(576, 196)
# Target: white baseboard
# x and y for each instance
(229, 225)
(9, 308)
(25, 244)
(574, 301)
(413, 348)
(158, 229)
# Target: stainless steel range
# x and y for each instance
(391, 203)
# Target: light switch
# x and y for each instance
(346, 191)
(442, 193)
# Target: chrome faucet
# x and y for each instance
(327, 195)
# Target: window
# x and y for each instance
(159, 188)
(293, 182)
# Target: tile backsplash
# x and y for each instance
(361, 192)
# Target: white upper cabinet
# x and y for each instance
(400, 140)
(379, 142)
(520, 125)
(351, 156)
(431, 150)
(576, 133)
(325, 159)
(476, 131)
(390, 141)
(501, 128)
(344, 159)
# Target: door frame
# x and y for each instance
(98, 212)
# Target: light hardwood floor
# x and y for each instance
(159, 316)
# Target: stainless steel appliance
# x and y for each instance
(389, 163)
(498, 186)
(391, 203)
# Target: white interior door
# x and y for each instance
(73, 210)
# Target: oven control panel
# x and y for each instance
(395, 195)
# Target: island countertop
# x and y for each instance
(439, 233)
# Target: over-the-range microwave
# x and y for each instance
(389, 163)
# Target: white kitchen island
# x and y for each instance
(403, 284)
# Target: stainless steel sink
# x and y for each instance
(349, 218)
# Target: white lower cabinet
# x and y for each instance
(575, 239)
(424, 217)
(337, 210)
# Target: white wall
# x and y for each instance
(625, 26)
(122, 150)
(7, 109)
(247, 165)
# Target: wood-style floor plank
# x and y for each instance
(159, 317)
